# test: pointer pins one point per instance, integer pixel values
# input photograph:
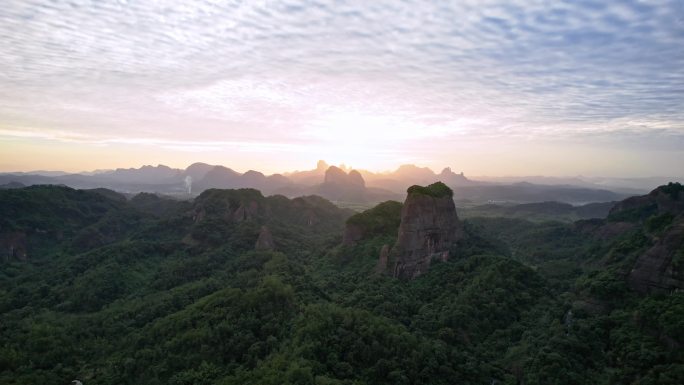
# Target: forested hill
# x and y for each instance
(238, 288)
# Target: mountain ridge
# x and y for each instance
(197, 177)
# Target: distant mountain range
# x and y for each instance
(629, 186)
(339, 184)
(539, 211)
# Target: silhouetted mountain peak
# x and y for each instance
(447, 172)
(335, 175)
(144, 174)
(412, 174)
(253, 174)
(453, 179)
(197, 170)
(355, 178)
(223, 170)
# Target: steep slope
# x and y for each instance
(382, 219)
(217, 177)
(660, 218)
(236, 217)
(197, 171)
(33, 220)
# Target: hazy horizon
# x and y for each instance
(350, 167)
(489, 88)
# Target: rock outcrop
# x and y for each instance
(247, 211)
(667, 199)
(13, 246)
(265, 240)
(352, 234)
(661, 267)
(600, 229)
(218, 215)
(661, 213)
(383, 259)
(429, 228)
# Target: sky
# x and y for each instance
(486, 87)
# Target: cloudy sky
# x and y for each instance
(487, 87)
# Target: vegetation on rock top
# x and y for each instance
(436, 190)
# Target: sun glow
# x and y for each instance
(371, 140)
(374, 128)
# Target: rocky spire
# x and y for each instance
(429, 228)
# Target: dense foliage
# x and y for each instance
(538, 212)
(155, 291)
(437, 190)
(380, 220)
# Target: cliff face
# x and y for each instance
(13, 245)
(352, 234)
(667, 199)
(660, 267)
(231, 205)
(429, 228)
(265, 240)
(661, 213)
(217, 216)
(381, 266)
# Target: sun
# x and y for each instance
(371, 141)
(356, 127)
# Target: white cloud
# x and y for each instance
(276, 72)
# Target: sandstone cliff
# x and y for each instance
(13, 246)
(661, 267)
(381, 266)
(429, 228)
(265, 240)
(217, 216)
(667, 199)
(661, 214)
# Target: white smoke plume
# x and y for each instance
(188, 184)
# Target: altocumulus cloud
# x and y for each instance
(279, 75)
